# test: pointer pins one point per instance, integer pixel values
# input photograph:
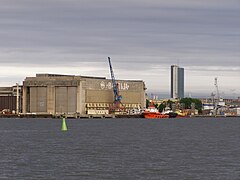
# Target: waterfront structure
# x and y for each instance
(69, 94)
(177, 82)
(10, 99)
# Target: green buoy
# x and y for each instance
(64, 125)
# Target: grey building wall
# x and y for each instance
(180, 82)
(57, 94)
(172, 81)
(9, 100)
(177, 82)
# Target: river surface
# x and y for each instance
(191, 148)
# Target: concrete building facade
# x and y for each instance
(10, 99)
(69, 94)
(177, 82)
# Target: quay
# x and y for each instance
(212, 116)
(71, 116)
(98, 116)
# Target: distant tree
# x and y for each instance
(170, 103)
(147, 103)
(188, 103)
(198, 105)
(161, 107)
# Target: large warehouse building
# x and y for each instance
(57, 94)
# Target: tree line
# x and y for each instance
(184, 103)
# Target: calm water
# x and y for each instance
(120, 149)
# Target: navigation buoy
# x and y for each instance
(64, 125)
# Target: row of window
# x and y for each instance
(106, 105)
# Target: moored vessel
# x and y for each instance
(181, 114)
(152, 113)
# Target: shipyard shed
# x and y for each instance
(9, 102)
(69, 94)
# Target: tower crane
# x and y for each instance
(117, 97)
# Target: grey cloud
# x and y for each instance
(139, 35)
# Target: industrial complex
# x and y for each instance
(75, 95)
(55, 95)
(58, 94)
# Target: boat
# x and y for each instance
(176, 114)
(170, 113)
(152, 113)
(181, 114)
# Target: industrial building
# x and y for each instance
(10, 99)
(69, 94)
(177, 82)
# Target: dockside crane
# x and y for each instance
(117, 97)
(217, 90)
(217, 94)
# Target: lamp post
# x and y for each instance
(17, 101)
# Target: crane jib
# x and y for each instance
(117, 97)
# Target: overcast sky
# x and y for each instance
(142, 37)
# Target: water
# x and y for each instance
(120, 149)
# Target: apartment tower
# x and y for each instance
(177, 82)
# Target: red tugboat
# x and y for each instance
(153, 113)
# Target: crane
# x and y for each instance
(217, 92)
(117, 97)
(217, 105)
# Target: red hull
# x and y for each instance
(152, 115)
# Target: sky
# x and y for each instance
(142, 37)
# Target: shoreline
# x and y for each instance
(100, 116)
